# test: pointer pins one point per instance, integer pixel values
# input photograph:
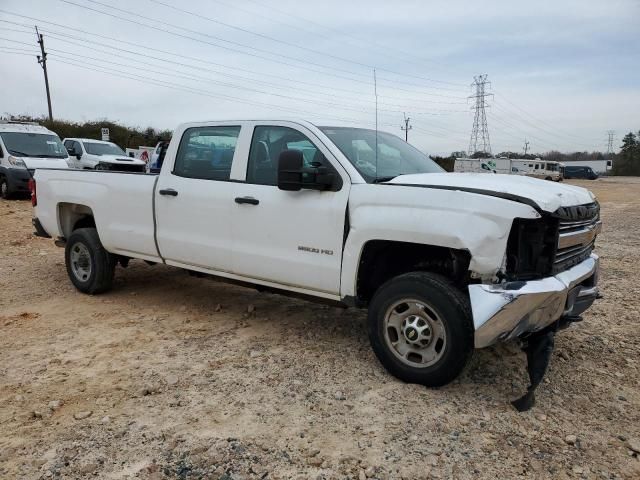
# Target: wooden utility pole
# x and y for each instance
(42, 60)
(406, 128)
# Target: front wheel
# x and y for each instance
(5, 193)
(421, 328)
(89, 266)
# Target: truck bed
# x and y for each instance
(121, 202)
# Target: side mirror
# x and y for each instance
(71, 151)
(290, 170)
(78, 156)
(292, 176)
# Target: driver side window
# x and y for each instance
(267, 144)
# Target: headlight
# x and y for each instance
(16, 162)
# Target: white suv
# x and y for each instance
(89, 154)
(23, 148)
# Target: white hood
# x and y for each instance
(119, 159)
(548, 195)
(36, 162)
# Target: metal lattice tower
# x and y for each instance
(480, 134)
(611, 134)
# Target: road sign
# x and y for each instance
(105, 134)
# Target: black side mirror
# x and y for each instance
(71, 151)
(78, 156)
(290, 170)
(292, 176)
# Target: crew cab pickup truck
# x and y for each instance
(444, 262)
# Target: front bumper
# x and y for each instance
(506, 311)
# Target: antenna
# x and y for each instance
(375, 91)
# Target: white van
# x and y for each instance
(23, 148)
(88, 154)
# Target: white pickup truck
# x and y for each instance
(444, 262)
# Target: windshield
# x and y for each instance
(95, 148)
(42, 145)
(395, 157)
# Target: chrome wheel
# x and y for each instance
(80, 262)
(415, 333)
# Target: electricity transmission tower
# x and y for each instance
(406, 127)
(526, 146)
(611, 134)
(42, 60)
(480, 134)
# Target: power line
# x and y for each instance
(479, 141)
(298, 46)
(200, 60)
(42, 60)
(391, 53)
(236, 44)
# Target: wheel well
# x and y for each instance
(382, 260)
(72, 216)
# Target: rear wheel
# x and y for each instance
(89, 266)
(421, 329)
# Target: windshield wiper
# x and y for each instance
(383, 179)
(20, 154)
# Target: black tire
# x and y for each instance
(451, 307)
(5, 192)
(548, 178)
(101, 263)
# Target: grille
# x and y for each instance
(577, 230)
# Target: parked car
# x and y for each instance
(574, 171)
(23, 148)
(444, 262)
(91, 154)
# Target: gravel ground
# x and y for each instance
(170, 376)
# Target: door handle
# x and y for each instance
(248, 200)
(168, 191)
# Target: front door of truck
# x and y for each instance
(290, 238)
(193, 200)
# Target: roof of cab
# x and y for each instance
(92, 140)
(18, 127)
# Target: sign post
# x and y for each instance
(105, 134)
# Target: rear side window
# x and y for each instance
(206, 153)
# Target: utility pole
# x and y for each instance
(611, 134)
(42, 60)
(406, 127)
(480, 134)
(526, 146)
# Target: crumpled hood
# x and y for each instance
(36, 162)
(547, 195)
(119, 159)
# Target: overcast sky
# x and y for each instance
(563, 72)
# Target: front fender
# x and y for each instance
(444, 218)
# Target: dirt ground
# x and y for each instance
(170, 376)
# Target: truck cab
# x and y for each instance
(25, 146)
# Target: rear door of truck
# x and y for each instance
(194, 195)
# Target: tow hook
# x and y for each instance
(538, 347)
